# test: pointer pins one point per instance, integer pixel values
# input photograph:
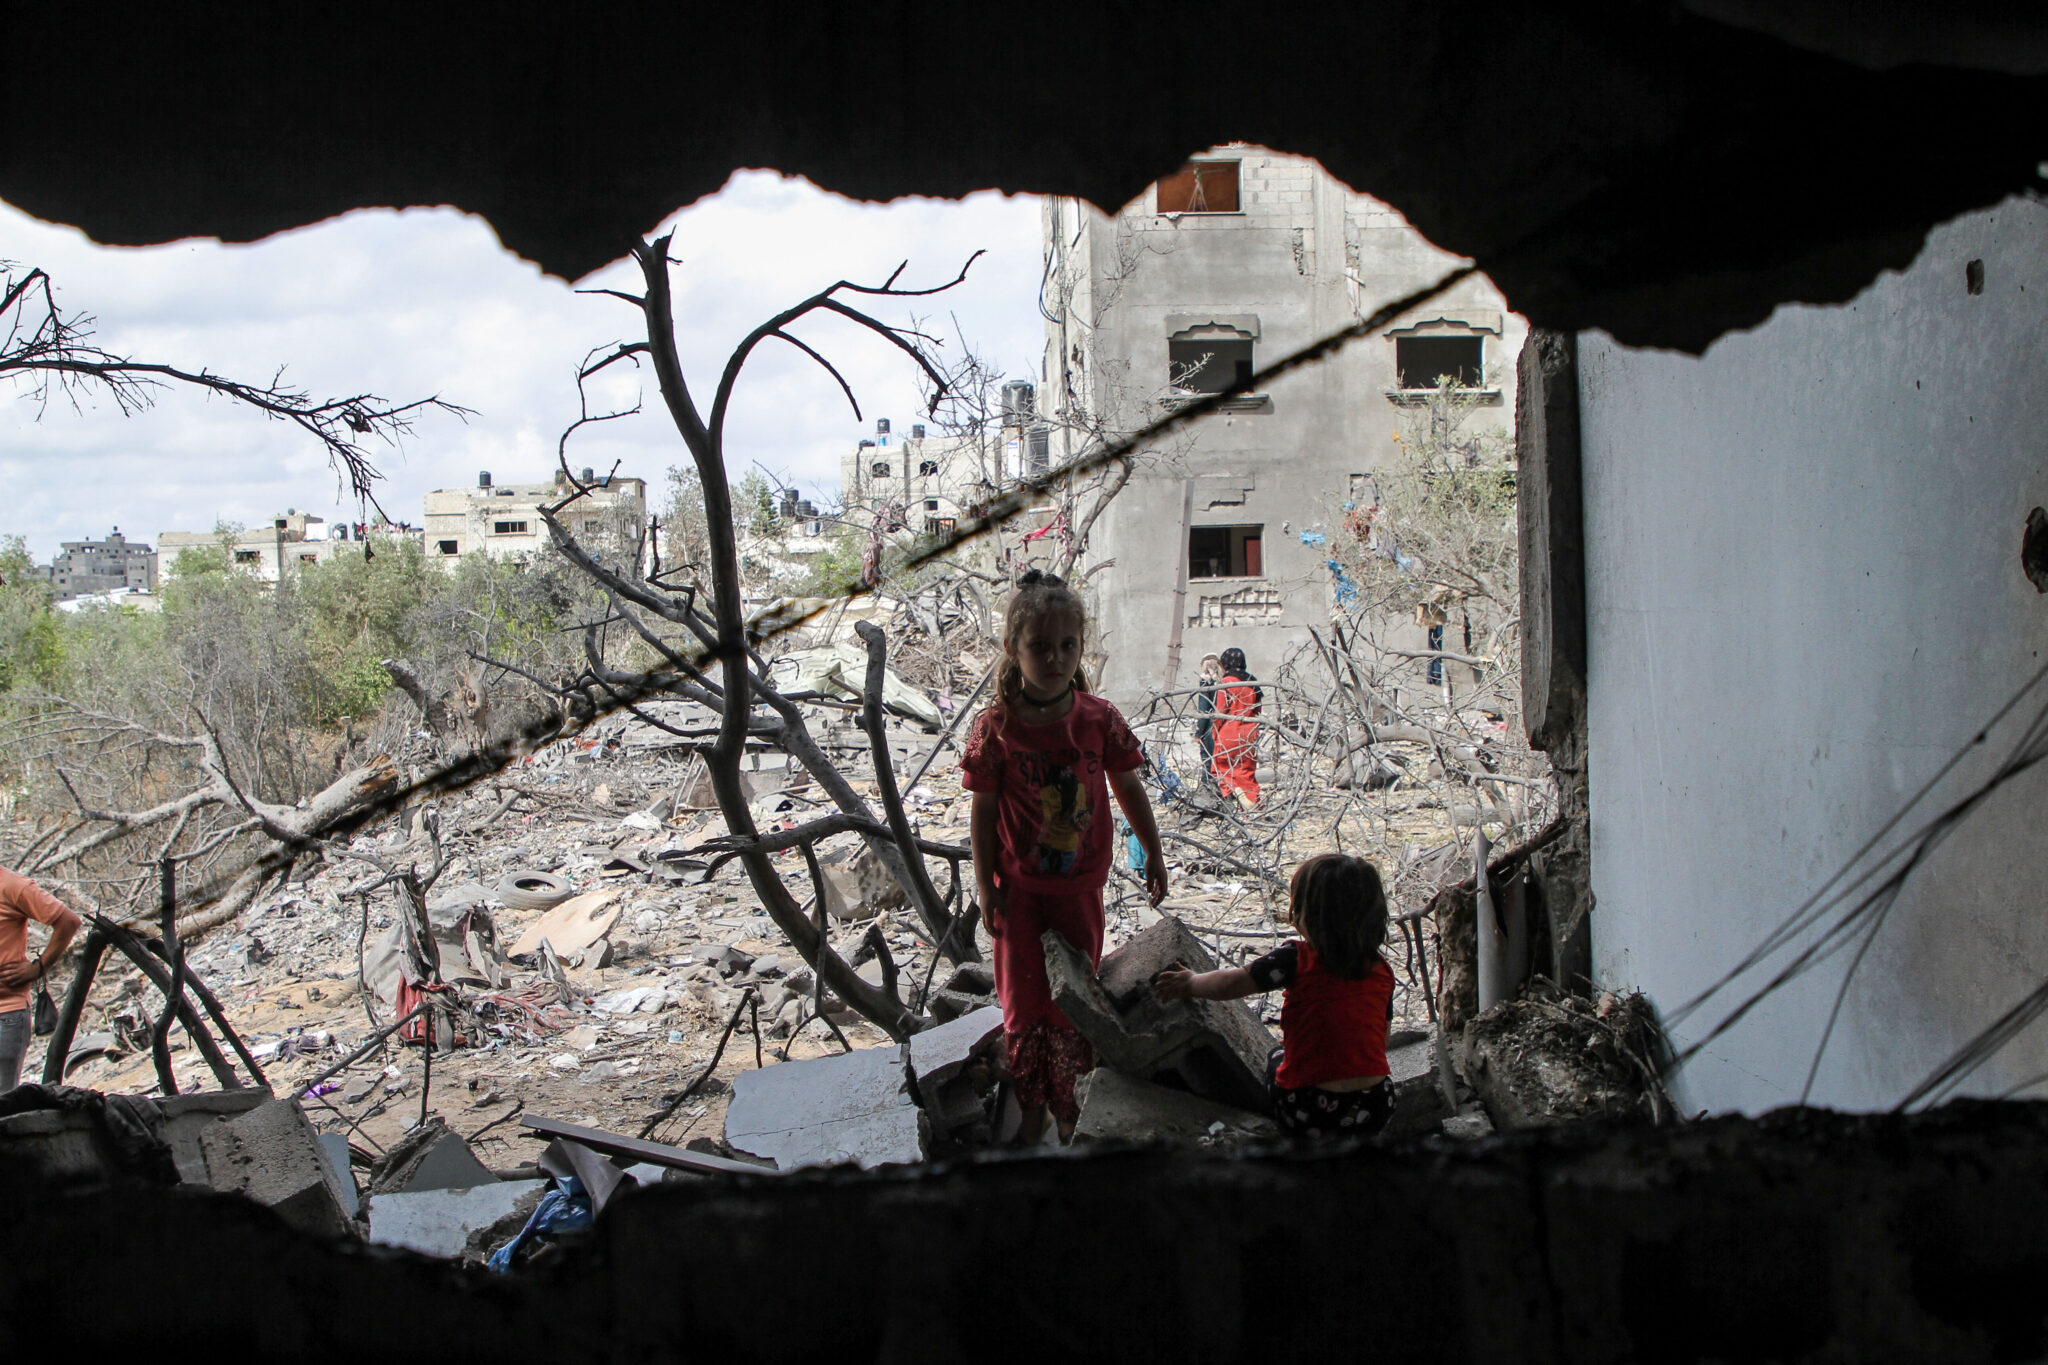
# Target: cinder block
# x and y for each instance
(1214, 1048)
(187, 1117)
(272, 1155)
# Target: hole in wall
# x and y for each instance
(1973, 277)
(2034, 549)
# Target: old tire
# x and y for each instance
(532, 890)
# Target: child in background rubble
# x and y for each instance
(1329, 1078)
(1041, 761)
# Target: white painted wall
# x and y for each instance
(1804, 596)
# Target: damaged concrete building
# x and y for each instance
(1780, 486)
(503, 519)
(1242, 256)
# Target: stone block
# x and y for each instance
(441, 1222)
(1122, 1108)
(854, 1107)
(1213, 1048)
(272, 1155)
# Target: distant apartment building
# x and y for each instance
(84, 568)
(503, 521)
(928, 485)
(1244, 256)
(293, 540)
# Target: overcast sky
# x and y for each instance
(425, 301)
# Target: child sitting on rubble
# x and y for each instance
(1329, 1078)
(1042, 761)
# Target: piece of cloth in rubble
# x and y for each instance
(1051, 783)
(21, 900)
(134, 1126)
(1236, 764)
(1332, 1029)
(410, 997)
(565, 1208)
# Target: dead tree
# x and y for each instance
(49, 353)
(715, 662)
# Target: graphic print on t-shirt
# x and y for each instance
(1063, 801)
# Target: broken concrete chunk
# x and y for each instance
(1120, 1107)
(334, 1146)
(187, 1117)
(1530, 1063)
(1213, 1048)
(573, 925)
(939, 1054)
(440, 1222)
(429, 1158)
(272, 1155)
(854, 1107)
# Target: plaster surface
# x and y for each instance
(1804, 597)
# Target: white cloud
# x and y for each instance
(425, 301)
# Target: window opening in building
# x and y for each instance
(927, 467)
(1209, 364)
(1226, 552)
(939, 526)
(931, 504)
(247, 556)
(1200, 187)
(880, 469)
(508, 528)
(447, 547)
(1421, 361)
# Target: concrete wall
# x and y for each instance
(1804, 596)
(1304, 256)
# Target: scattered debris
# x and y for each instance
(1551, 1057)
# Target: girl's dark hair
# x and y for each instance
(1341, 908)
(1038, 596)
(1233, 661)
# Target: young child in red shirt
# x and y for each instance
(1041, 761)
(1329, 1078)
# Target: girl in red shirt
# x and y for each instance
(1235, 762)
(1041, 762)
(1330, 1076)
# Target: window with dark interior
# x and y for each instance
(1421, 361)
(508, 528)
(1200, 187)
(247, 556)
(447, 546)
(1226, 552)
(927, 467)
(938, 526)
(1209, 364)
(880, 469)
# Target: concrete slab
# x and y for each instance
(939, 1054)
(1120, 1107)
(440, 1222)
(334, 1146)
(272, 1155)
(854, 1107)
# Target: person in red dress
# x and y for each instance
(1236, 764)
(1041, 761)
(1329, 1077)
